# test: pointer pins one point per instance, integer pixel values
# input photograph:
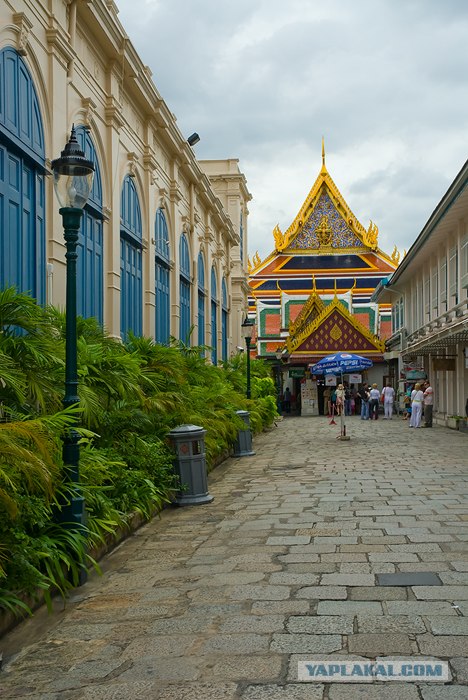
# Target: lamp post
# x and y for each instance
(279, 355)
(247, 330)
(73, 180)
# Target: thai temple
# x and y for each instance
(311, 296)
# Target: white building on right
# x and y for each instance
(429, 297)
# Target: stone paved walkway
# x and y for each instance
(220, 601)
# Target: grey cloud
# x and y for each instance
(258, 83)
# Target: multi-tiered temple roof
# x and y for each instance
(311, 295)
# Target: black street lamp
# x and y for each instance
(247, 330)
(73, 180)
(279, 355)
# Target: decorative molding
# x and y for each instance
(163, 197)
(132, 159)
(113, 112)
(185, 224)
(149, 160)
(175, 192)
(24, 26)
(59, 44)
(88, 110)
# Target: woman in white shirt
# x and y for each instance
(374, 397)
(416, 406)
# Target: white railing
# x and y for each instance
(456, 313)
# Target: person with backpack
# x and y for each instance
(364, 396)
(374, 396)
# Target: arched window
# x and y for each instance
(214, 318)
(162, 262)
(224, 322)
(22, 192)
(131, 246)
(184, 263)
(201, 300)
(89, 265)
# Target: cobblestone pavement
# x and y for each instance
(221, 601)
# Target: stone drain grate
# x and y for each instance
(409, 579)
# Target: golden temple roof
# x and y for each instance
(325, 224)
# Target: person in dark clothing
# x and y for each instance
(347, 400)
(364, 396)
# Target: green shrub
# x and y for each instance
(131, 396)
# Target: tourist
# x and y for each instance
(416, 406)
(388, 397)
(333, 400)
(364, 396)
(340, 399)
(347, 400)
(326, 401)
(287, 400)
(428, 402)
(374, 397)
(407, 404)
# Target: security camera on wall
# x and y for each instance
(238, 347)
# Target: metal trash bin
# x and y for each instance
(243, 443)
(190, 465)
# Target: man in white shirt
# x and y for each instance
(388, 397)
(428, 402)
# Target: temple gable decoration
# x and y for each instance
(313, 307)
(335, 329)
(325, 222)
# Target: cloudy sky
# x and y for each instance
(384, 81)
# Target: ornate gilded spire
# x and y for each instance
(279, 238)
(324, 167)
(395, 256)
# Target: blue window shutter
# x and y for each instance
(184, 311)
(131, 281)
(40, 246)
(20, 114)
(162, 276)
(214, 317)
(22, 198)
(214, 333)
(89, 273)
(161, 236)
(201, 318)
(184, 290)
(130, 289)
(162, 303)
(201, 299)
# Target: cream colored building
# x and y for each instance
(161, 246)
(429, 294)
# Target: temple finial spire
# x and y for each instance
(323, 151)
